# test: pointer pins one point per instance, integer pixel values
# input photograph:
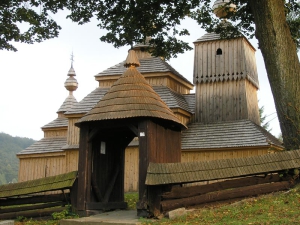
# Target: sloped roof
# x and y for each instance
(88, 102)
(45, 145)
(58, 122)
(240, 133)
(168, 173)
(191, 101)
(59, 182)
(171, 98)
(67, 104)
(148, 65)
(130, 96)
(209, 37)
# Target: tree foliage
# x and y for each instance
(275, 23)
(9, 163)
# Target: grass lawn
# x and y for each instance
(278, 208)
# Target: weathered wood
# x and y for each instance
(111, 184)
(32, 200)
(248, 191)
(31, 213)
(105, 205)
(154, 200)
(96, 189)
(83, 168)
(32, 207)
(183, 192)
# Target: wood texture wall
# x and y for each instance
(73, 132)
(226, 101)
(71, 160)
(37, 166)
(41, 165)
(55, 133)
(238, 56)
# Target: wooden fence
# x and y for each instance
(36, 198)
(222, 180)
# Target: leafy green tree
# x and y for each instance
(275, 23)
(265, 124)
(9, 163)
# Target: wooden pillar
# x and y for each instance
(157, 144)
(84, 170)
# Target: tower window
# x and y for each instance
(219, 51)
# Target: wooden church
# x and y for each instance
(221, 118)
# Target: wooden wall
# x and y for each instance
(155, 79)
(71, 160)
(226, 101)
(55, 132)
(131, 169)
(237, 59)
(37, 166)
(73, 132)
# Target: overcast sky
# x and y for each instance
(32, 79)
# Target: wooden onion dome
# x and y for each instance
(131, 96)
(71, 85)
(221, 7)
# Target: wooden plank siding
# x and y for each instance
(73, 132)
(55, 132)
(35, 166)
(71, 160)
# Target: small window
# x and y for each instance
(219, 51)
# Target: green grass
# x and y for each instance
(279, 208)
(131, 198)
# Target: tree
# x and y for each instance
(275, 23)
(265, 124)
(35, 14)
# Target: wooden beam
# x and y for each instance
(134, 129)
(32, 207)
(111, 185)
(32, 200)
(248, 191)
(31, 213)
(93, 133)
(96, 189)
(184, 192)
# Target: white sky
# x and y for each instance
(32, 79)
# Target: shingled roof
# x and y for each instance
(67, 104)
(171, 98)
(170, 173)
(88, 102)
(131, 96)
(148, 65)
(58, 122)
(45, 145)
(230, 134)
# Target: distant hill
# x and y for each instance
(9, 163)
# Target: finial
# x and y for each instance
(222, 7)
(71, 83)
(132, 59)
(72, 59)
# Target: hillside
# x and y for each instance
(9, 163)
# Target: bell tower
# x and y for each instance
(225, 77)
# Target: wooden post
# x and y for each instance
(84, 169)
